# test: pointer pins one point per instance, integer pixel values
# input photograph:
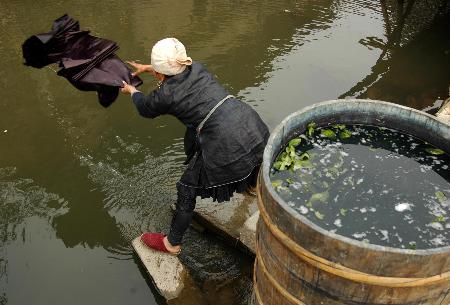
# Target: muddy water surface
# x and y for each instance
(78, 182)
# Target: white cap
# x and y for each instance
(169, 57)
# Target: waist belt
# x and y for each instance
(200, 126)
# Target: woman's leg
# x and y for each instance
(182, 218)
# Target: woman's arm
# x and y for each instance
(149, 106)
(140, 68)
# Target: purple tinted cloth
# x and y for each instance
(89, 63)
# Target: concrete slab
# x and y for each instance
(248, 230)
(166, 271)
(170, 277)
(229, 219)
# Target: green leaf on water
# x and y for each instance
(295, 142)
(298, 164)
(441, 197)
(345, 134)
(304, 156)
(310, 129)
(277, 165)
(323, 197)
(343, 212)
(309, 204)
(439, 218)
(277, 184)
(434, 151)
(290, 180)
(328, 133)
(304, 137)
(319, 215)
(412, 245)
(338, 126)
(291, 151)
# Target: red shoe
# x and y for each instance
(155, 241)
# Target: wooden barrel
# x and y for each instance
(297, 262)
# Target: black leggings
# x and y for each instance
(182, 218)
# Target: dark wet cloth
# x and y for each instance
(86, 61)
(232, 141)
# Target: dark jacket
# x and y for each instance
(230, 143)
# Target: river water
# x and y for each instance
(78, 182)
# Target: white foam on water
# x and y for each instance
(436, 226)
(404, 206)
(363, 210)
(338, 223)
(359, 235)
(304, 210)
(438, 240)
(385, 234)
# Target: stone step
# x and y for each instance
(169, 276)
(235, 220)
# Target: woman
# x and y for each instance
(224, 140)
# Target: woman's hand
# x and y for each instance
(128, 88)
(140, 68)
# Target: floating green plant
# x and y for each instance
(441, 197)
(345, 134)
(290, 159)
(310, 129)
(434, 151)
(343, 212)
(338, 126)
(412, 246)
(328, 133)
(439, 218)
(319, 215)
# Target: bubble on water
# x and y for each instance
(404, 206)
(372, 209)
(338, 222)
(370, 191)
(359, 181)
(363, 210)
(343, 153)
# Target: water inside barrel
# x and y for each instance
(372, 184)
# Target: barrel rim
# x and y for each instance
(267, 163)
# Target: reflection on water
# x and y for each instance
(78, 182)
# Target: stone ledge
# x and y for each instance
(235, 220)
